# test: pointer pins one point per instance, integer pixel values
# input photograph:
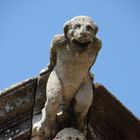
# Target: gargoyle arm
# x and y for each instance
(58, 41)
(98, 45)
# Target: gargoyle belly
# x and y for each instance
(71, 74)
(71, 78)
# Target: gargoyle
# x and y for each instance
(71, 57)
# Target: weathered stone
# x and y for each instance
(69, 134)
(16, 105)
(71, 57)
(40, 95)
(41, 91)
(108, 119)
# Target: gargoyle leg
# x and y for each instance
(45, 128)
(83, 100)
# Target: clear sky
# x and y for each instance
(28, 26)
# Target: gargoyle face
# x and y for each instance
(80, 30)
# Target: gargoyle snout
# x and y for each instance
(83, 32)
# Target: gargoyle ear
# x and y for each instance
(96, 28)
(66, 27)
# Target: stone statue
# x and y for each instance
(72, 55)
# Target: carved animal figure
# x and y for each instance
(72, 56)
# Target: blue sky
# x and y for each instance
(28, 26)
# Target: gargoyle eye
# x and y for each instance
(77, 26)
(89, 28)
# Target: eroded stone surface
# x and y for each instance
(72, 56)
(16, 105)
(108, 119)
(69, 134)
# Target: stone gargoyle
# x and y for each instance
(70, 81)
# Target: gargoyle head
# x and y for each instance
(80, 30)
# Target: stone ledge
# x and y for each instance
(109, 119)
(16, 105)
